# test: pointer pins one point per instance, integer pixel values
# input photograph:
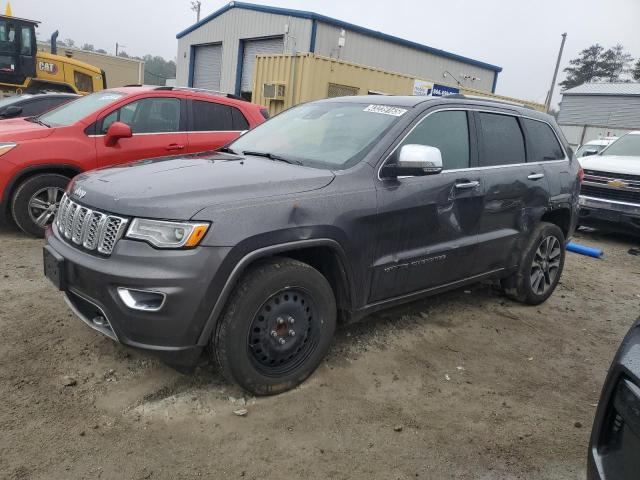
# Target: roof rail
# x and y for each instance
(202, 90)
(489, 99)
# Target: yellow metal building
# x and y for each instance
(281, 81)
(119, 71)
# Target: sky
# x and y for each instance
(521, 37)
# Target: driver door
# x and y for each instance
(157, 127)
(427, 225)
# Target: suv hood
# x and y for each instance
(16, 129)
(176, 188)
(612, 163)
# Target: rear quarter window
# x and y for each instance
(543, 143)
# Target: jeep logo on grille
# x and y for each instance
(79, 192)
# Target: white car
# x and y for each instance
(594, 146)
(610, 193)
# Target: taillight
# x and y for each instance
(581, 175)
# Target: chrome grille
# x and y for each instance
(91, 229)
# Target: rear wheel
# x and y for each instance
(36, 200)
(540, 267)
(277, 327)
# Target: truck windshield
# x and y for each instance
(329, 135)
(71, 112)
(629, 145)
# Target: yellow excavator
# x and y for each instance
(23, 69)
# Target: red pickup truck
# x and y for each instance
(39, 155)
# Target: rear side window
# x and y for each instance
(212, 117)
(448, 131)
(543, 144)
(502, 140)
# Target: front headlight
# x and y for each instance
(6, 147)
(164, 234)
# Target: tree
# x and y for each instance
(157, 70)
(101, 50)
(585, 68)
(636, 71)
(123, 54)
(88, 47)
(614, 63)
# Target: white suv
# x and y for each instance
(610, 194)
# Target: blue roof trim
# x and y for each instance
(337, 23)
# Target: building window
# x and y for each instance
(336, 90)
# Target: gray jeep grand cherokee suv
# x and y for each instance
(329, 211)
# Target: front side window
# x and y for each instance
(331, 135)
(449, 132)
(72, 112)
(544, 143)
(502, 140)
(628, 145)
(148, 115)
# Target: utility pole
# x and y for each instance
(547, 104)
(195, 6)
(119, 46)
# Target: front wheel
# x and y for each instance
(277, 327)
(36, 200)
(540, 267)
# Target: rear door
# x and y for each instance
(157, 124)
(427, 225)
(516, 192)
(213, 125)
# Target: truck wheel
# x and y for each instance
(277, 327)
(35, 202)
(540, 267)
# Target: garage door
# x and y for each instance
(207, 64)
(267, 46)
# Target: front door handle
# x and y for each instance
(536, 176)
(174, 146)
(467, 185)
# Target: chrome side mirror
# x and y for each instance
(422, 157)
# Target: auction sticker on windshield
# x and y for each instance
(386, 110)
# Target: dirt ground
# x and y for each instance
(463, 385)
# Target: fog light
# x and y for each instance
(144, 300)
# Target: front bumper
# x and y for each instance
(90, 284)
(598, 212)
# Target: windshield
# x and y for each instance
(71, 112)
(592, 149)
(628, 145)
(10, 100)
(325, 135)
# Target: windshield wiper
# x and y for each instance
(227, 150)
(38, 121)
(272, 156)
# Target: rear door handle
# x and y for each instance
(467, 185)
(536, 176)
(174, 146)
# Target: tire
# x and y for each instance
(526, 285)
(23, 203)
(253, 344)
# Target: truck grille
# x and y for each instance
(611, 176)
(88, 228)
(610, 193)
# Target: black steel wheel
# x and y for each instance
(277, 326)
(283, 333)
